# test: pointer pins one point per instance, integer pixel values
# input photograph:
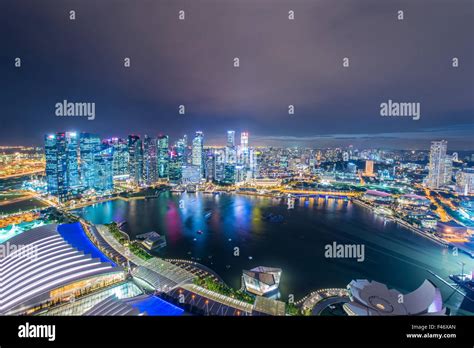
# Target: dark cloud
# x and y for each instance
(282, 62)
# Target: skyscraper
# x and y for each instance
(175, 166)
(103, 169)
(244, 141)
(219, 165)
(62, 168)
(120, 162)
(163, 156)
(56, 165)
(369, 168)
(437, 165)
(89, 145)
(135, 152)
(230, 138)
(72, 149)
(150, 160)
(198, 151)
(465, 181)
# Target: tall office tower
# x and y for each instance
(120, 161)
(230, 138)
(56, 165)
(244, 141)
(465, 181)
(437, 165)
(230, 173)
(219, 165)
(103, 169)
(209, 165)
(163, 156)
(175, 165)
(62, 167)
(135, 152)
(89, 145)
(150, 160)
(253, 163)
(198, 151)
(448, 170)
(72, 149)
(369, 168)
(345, 156)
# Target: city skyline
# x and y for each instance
(188, 158)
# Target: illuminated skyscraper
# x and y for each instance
(135, 151)
(219, 165)
(163, 156)
(120, 161)
(197, 153)
(244, 141)
(89, 145)
(175, 166)
(369, 168)
(62, 168)
(465, 181)
(56, 164)
(437, 165)
(230, 138)
(72, 149)
(103, 169)
(150, 160)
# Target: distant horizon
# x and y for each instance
(274, 141)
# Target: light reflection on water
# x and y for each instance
(393, 255)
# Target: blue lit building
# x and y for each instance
(103, 169)
(120, 161)
(198, 151)
(72, 148)
(89, 145)
(56, 165)
(62, 170)
(150, 160)
(135, 151)
(163, 156)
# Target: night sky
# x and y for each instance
(282, 62)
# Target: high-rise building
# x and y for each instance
(244, 141)
(219, 165)
(163, 156)
(120, 161)
(103, 169)
(229, 174)
(62, 167)
(230, 138)
(198, 151)
(465, 181)
(369, 168)
(56, 164)
(135, 151)
(72, 149)
(150, 160)
(175, 166)
(437, 164)
(448, 170)
(89, 145)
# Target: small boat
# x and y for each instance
(199, 232)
